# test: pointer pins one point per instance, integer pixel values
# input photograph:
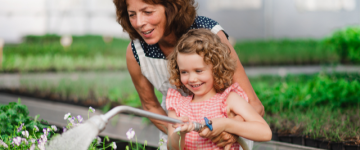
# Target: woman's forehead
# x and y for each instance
(147, 2)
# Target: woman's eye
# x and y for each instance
(148, 12)
(198, 70)
(183, 72)
(130, 15)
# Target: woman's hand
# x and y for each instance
(218, 135)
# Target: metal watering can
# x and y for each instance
(80, 137)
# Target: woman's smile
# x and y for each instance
(148, 20)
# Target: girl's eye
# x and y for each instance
(198, 70)
(183, 72)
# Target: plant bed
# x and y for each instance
(336, 146)
(297, 139)
(285, 138)
(311, 142)
(325, 144)
(351, 145)
(20, 131)
(275, 136)
(55, 97)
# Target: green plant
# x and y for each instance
(346, 42)
(19, 131)
(13, 115)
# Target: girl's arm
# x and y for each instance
(241, 78)
(173, 138)
(254, 128)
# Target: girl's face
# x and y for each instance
(148, 20)
(196, 75)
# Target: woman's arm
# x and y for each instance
(254, 128)
(174, 138)
(145, 89)
(241, 78)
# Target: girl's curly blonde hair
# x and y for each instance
(204, 43)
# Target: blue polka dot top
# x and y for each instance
(154, 51)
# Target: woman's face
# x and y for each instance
(147, 19)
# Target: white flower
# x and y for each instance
(113, 145)
(67, 116)
(43, 139)
(163, 143)
(16, 140)
(54, 127)
(80, 119)
(64, 129)
(72, 120)
(46, 131)
(36, 128)
(41, 146)
(32, 147)
(91, 109)
(20, 128)
(23, 139)
(32, 140)
(130, 133)
(98, 140)
(2, 143)
(25, 133)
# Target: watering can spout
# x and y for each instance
(139, 112)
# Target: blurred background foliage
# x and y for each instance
(90, 52)
(319, 105)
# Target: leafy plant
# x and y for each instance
(346, 42)
(13, 115)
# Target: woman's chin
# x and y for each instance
(151, 41)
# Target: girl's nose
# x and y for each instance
(192, 78)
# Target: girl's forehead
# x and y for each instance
(193, 60)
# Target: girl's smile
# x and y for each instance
(196, 75)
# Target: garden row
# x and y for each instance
(323, 107)
(45, 53)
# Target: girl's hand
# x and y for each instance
(218, 125)
(186, 127)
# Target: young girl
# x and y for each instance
(201, 66)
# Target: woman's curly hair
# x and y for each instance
(204, 43)
(180, 15)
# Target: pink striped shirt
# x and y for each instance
(214, 107)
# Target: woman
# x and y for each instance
(154, 27)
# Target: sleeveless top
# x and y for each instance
(215, 107)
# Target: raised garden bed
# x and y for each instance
(313, 110)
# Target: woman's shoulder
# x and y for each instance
(203, 22)
(150, 51)
(207, 23)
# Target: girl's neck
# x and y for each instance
(167, 43)
(201, 98)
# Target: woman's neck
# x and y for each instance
(167, 44)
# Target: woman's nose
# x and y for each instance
(140, 22)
